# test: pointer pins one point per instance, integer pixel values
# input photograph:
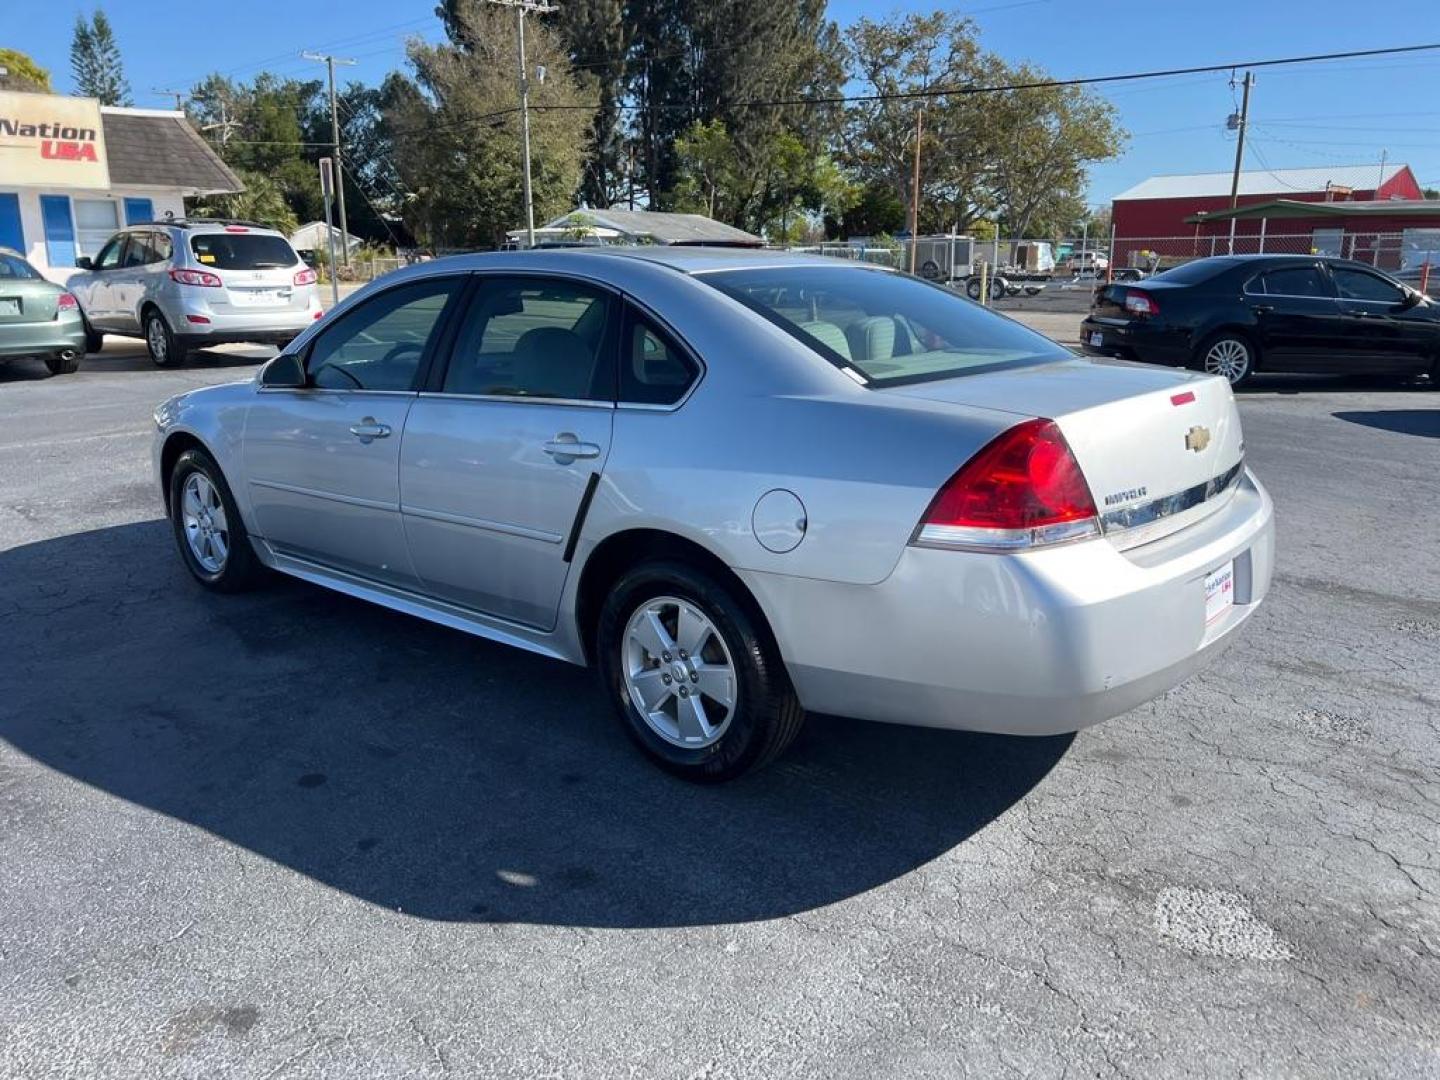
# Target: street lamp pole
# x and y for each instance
(522, 8)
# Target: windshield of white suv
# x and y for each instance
(242, 251)
(891, 328)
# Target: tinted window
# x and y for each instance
(532, 337)
(379, 345)
(242, 251)
(1193, 273)
(653, 369)
(144, 249)
(890, 327)
(1294, 281)
(1358, 285)
(13, 267)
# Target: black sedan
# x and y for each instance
(1234, 315)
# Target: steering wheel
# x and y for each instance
(401, 349)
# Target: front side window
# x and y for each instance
(1295, 281)
(653, 369)
(379, 345)
(890, 327)
(1358, 285)
(110, 254)
(533, 338)
(242, 251)
(95, 221)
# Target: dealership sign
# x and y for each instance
(52, 141)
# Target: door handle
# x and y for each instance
(368, 429)
(1362, 315)
(565, 448)
(1261, 309)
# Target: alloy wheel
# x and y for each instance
(203, 515)
(1228, 357)
(679, 672)
(155, 338)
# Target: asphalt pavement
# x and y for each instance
(287, 834)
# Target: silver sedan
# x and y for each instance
(742, 485)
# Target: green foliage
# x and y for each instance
(95, 61)
(23, 73)
(263, 200)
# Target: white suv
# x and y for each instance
(185, 284)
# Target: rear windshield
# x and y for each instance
(242, 251)
(892, 328)
(1193, 273)
(13, 267)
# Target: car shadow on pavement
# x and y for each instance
(424, 770)
(1422, 422)
(132, 357)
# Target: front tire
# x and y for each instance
(693, 674)
(1229, 355)
(207, 527)
(160, 341)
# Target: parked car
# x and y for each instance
(37, 317)
(743, 485)
(1085, 262)
(183, 285)
(1234, 315)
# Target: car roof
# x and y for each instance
(688, 260)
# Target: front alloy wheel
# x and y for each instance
(1230, 357)
(208, 531)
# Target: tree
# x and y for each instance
(875, 211)
(599, 36)
(1431, 193)
(22, 73)
(95, 61)
(455, 129)
(263, 201)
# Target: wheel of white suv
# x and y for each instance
(160, 341)
(697, 682)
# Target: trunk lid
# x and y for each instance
(1139, 433)
(27, 301)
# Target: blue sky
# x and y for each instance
(1338, 113)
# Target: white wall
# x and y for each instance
(32, 224)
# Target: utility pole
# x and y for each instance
(178, 95)
(330, 62)
(224, 126)
(1239, 123)
(1380, 181)
(915, 190)
(522, 8)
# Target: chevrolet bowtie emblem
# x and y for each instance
(1197, 438)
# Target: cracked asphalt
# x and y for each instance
(289, 835)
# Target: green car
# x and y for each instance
(37, 317)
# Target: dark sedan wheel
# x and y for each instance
(697, 683)
(207, 526)
(1228, 355)
(63, 365)
(160, 341)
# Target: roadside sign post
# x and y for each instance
(327, 190)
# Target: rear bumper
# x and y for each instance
(1035, 644)
(225, 322)
(1147, 342)
(42, 339)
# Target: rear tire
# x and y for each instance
(1229, 355)
(160, 341)
(713, 715)
(60, 365)
(208, 530)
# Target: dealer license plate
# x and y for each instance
(1219, 592)
(1097, 340)
(9, 307)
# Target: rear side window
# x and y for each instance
(1292, 281)
(653, 368)
(242, 251)
(892, 328)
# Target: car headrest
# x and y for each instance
(553, 362)
(829, 335)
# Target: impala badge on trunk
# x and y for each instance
(1197, 438)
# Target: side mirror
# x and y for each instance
(286, 371)
(1412, 297)
(84, 262)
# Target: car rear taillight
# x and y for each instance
(66, 302)
(195, 277)
(1024, 489)
(1141, 303)
(306, 277)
